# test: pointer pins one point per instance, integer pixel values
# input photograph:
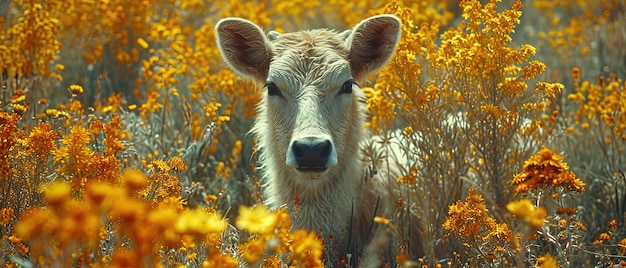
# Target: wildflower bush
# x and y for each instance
(123, 136)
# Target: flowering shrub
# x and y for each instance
(122, 135)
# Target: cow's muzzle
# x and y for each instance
(311, 154)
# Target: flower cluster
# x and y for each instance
(271, 235)
(545, 169)
(29, 46)
(603, 103)
(470, 221)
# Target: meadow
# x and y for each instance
(123, 135)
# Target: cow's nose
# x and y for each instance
(311, 154)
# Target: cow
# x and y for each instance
(311, 117)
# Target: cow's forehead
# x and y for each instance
(316, 58)
(312, 43)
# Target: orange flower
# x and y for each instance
(41, 140)
(125, 257)
(112, 134)
(409, 179)
(307, 249)
(470, 221)
(160, 166)
(576, 73)
(216, 259)
(135, 178)
(177, 164)
(36, 222)
(252, 250)
(546, 169)
(6, 216)
(57, 192)
(604, 237)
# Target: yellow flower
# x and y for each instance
(76, 89)
(604, 237)
(585, 126)
(57, 192)
(273, 261)
(107, 109)
(470, 221)
(112, 134)
(78, 223)
(547, 261)
(57, 114)
(549, 89)
(38, 222)
(6, 216)
(576, 73)
(127, 209)
(162, 185)
(257, 220)
(177, 164)
(19, 109)
(19, 96)
(382, 220)
(198, 223)
(160, 166)
(41, 140)
(524, 209)
(576, 97)
(135, 178)
(252, 250)
(96, 128)
(142, 43)
(59, 68)
(216, 259)
(533, 69)
(307, 249)
(125, 257)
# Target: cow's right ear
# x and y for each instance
(244, 47)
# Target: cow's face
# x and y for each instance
(310, 119)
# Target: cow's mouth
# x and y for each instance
(311, 169)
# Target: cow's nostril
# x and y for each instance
(325, 148)
(311, 154)
(298, 149)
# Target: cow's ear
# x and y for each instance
(244, 47)
(372, 43)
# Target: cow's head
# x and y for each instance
(311, 115)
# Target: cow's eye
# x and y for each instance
(346, 88)
(272, 89)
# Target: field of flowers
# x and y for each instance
(123, 134)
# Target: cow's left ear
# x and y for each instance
(372, 43)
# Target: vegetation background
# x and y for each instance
(123, 134)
